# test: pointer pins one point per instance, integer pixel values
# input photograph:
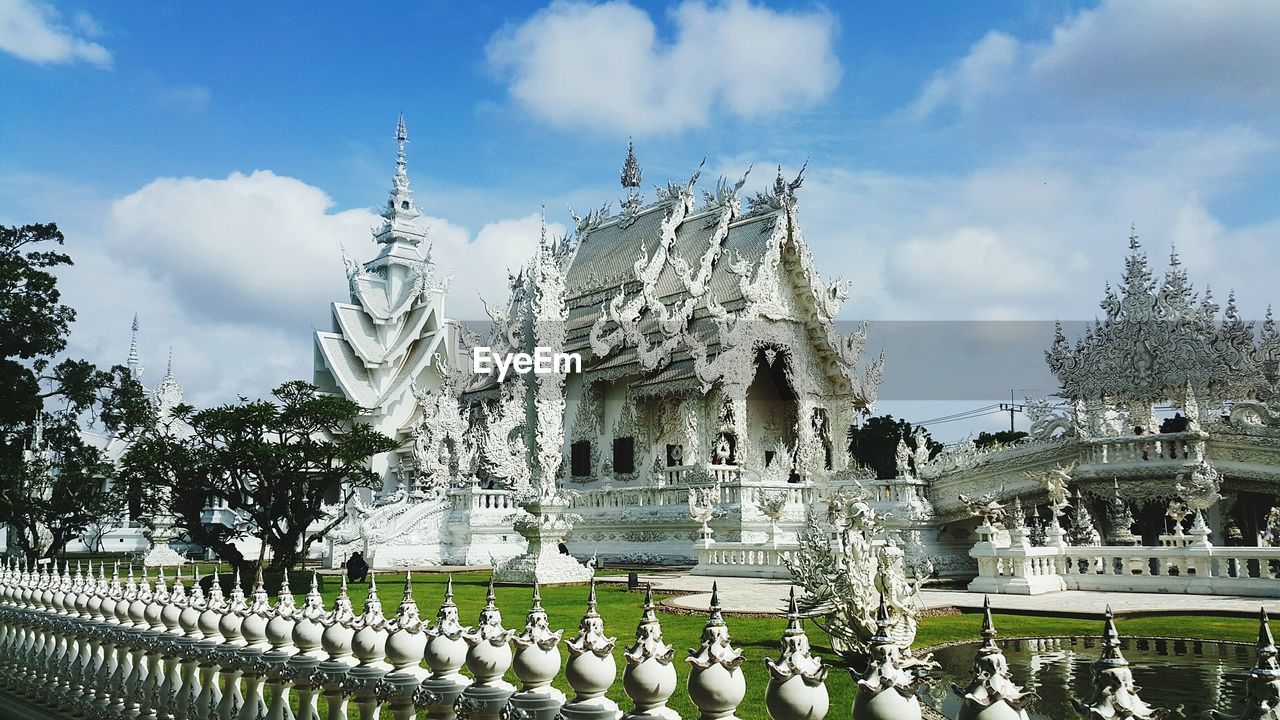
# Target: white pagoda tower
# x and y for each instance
(388, 338)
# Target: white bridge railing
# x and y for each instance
(1181, 564)
(76, 646)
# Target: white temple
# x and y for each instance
(709, 359)
(714, 385)
(391, 336)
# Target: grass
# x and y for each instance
(756, 637)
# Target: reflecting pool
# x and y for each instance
(1189, 677)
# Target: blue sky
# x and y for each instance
(967, 161)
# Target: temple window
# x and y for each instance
(580, 458)
(675, 455)
(624, 455)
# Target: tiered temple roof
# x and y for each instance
(385, 338)
(1159, 338)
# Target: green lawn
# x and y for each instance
(756, 637)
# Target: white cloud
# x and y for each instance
(1035, 237)
(233, 274)
(1125, 54)
(977, 75)
(34, 32)
(604, 66)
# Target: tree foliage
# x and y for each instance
(875, 443)
(1003, 437)
(270, 461)
(53, 483)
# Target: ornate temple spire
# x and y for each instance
(168, 394)
(134, 362)
(400, 211)
(631, 176)
(1137, 274)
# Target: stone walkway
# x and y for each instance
(761, 596)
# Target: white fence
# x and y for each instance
(76, 646)
(1181, 564)
(735, 559)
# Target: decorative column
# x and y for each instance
(543, 326)
(275, 668)
(103, 680)
(176, 647)
(591, 669)
(154, 638)
(536, 663)
(308, 630)
(253, 628)
(1262, 689)
(716, 682)
(1114, 694)
(796, 688)
(336, 640)
(887, 690)
(547, 521)
(208, 647)
(446, 653)
(126, 658)
(369, 646)
(992, 694)
(230, 625)
(189, 686)
(488, 657)
(406, 644)
(650, 676)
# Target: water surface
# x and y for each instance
(1188, 677)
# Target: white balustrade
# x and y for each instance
(73, 645)
(735, 559)
(1176, 567)
(1159, 447)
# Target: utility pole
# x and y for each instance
(1011, 407)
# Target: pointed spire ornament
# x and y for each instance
(887, 689)
(716, 681)
(796, 680)
(1262, 689)
(1114, 693)
(650, 675)
(591, 669)
(489, 654)
(537, 662)
(445, 654)
(134, 362)
(400, 212)
(992, 694)
(630, 177)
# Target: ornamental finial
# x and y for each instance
(134, 362)
(631, 173)
(1115, 694)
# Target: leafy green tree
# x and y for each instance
(1002, 437)
(53, 484)
(875, 443)
(272, 462)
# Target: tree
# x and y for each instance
(1002, 437)
(875, 443)
(53, 483)
(272, 462)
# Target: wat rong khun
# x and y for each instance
(667, 387)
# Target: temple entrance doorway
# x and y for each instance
(772, 409)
